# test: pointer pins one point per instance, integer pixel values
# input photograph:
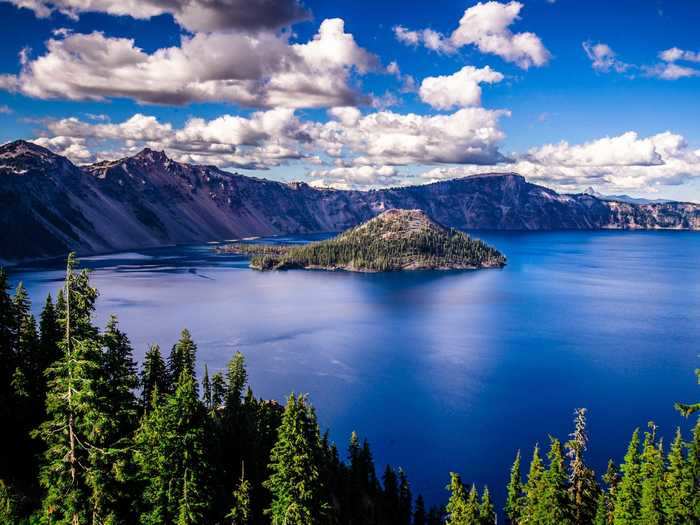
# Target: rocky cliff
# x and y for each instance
(49, 206)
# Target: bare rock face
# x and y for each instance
(49, 206)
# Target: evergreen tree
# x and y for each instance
(487, 513)
(514, 498)
(652, 472)
(218, 390)
(237, 378)
(172, 459)
(154, 377)
(457, 506)
(419, 515)
(678, 485)
(534, 490)
(606, 500)
(50, 335)
(206, 389)
(390, 496)
(629, 491)
(555, 504)
(295, 481)
(405, 499)
(583, 488)
(183, 358)
(119, 380)
(74, 414)
(240, 511)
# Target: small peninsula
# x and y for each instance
(395, 240)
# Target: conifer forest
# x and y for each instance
(90, 437)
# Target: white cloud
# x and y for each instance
(261, 70)
(622, 163)
(195, 15)
(355, 177)
(603, 58)
(487, 27)
(675, 54)
(5, 110)
(671, 71)
(460, 89)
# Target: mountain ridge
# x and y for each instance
(150, 200)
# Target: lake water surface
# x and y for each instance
(439, 370)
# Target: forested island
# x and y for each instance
(89, 438)
(395, 240)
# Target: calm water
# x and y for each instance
(440, 371)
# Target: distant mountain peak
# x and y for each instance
(151, 156)
(24, 147)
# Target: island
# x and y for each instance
(395, 240)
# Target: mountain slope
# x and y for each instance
(50, 206)
(394, 240)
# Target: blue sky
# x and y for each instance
(590, 74)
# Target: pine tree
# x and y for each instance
(606, 500)
(554, 503)
(419, 515)
(206, 389)
(154, 377)
(514, 498)
(457, 511)
(237, 378)
(405, 499)
(115, 387)
(295, 480)
(652, 472)
(171, 458)
(50, 330)
(120, 379)
(218, 390)
(678, 485)
(74, 415)
(390, 496)
(182, 358)
(629, 490)
(583, 488)
(487, 513)
(533, 489)
(240, 511)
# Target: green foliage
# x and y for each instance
(182, 359)
(514, 499)
(295, 481)
(629, 493)
(154, 377)
(240, 511)
(171, 457)
(678, 485)
(583, 487)
(404, 239)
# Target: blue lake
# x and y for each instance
(440, 371)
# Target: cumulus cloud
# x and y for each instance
(675, 54)
(460, 89)
(363, 145)
(487, 27)
(355, 177)
(624, 162)
(603, 58)
(261, 70)
(195, 15)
